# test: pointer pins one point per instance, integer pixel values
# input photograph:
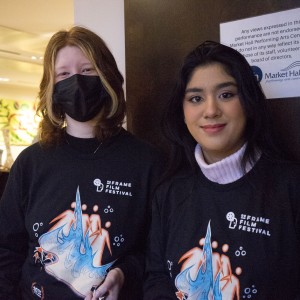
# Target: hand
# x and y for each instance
(110, 288)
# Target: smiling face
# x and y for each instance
(213, 112)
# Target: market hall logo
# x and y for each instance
(291, 72)
(257, 73)
(293, 65)
(113, 187)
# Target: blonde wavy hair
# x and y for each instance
(111, 118)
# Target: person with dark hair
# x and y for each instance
(74, 215)
(226, 217)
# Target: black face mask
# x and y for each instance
(80, 96)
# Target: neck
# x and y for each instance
(80, 129)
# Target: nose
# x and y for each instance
(211, 108)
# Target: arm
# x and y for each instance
(157, 284)
(125, 279)
(127, 274)
(129, 271)
(114, 284)
(13, 237)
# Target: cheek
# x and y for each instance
(240, 121)
(190, 114)
(237, 113)
(241, 117)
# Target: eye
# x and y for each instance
(195, 99)
(62, 75)
(227, 95)
(89, 71)
(86, 70)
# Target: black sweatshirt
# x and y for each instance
(68, 215)
(234, 241)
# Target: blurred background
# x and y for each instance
(25, 28)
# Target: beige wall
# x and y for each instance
(106, 18)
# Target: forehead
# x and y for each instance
(70, 55)
(210, 75)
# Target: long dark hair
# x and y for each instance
(258, 133)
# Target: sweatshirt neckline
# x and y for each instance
(89, 148)
(83, 145)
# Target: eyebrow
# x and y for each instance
(218, 86)
(64, 66)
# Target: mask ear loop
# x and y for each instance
(62, 117)
(64, 124)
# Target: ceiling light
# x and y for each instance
(4, 79)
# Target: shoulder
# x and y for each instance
(29, 152)
(279, 180)
(136, 147)
(282, 169)
(173, 194)
(36, 149)
(179, 185)
(127, 136)
(32, 155)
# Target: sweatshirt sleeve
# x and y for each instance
(133, 264)
(13, 236)
(157, 285)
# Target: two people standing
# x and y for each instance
(75, 213)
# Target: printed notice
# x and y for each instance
(271, 44)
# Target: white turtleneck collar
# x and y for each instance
(226, 170)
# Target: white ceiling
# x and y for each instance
(25, 28)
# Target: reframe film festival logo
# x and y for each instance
(291, 72)
(113, 187)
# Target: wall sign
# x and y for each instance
(271, 44)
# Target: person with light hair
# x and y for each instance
(75, 214)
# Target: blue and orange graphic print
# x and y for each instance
(206, 275)
(72, 249)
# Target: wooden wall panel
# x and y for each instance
(159, 33)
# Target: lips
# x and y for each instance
(214, 128)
